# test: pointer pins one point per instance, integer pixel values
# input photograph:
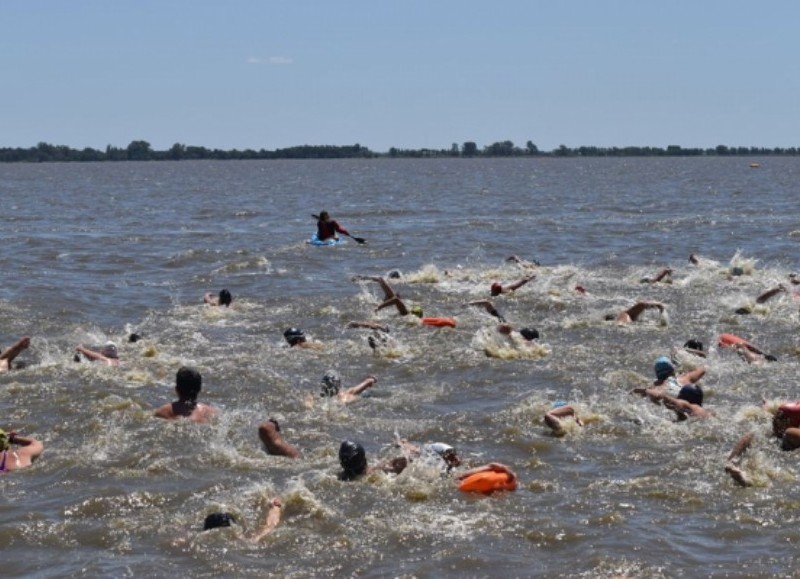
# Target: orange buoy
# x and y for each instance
(439, 322)
(729, 341)
(488, 482)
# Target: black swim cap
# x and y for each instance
(694, 345)
(692, 393)
(215, 520)
(353, 459)
(330, 384)
(529, 333)
(225, 298)
(294, 336)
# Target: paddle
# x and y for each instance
(359, 240)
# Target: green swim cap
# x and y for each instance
(5, 444)
(416, 310)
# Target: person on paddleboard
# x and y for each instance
(327, 228)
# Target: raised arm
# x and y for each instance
(271, 521)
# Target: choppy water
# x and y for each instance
(93, 252)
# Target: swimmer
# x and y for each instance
(370, 325)
(188, 383)
(666, 379)
(390, 297)
(528, 334)
(7, 357)
(296, 338)
(688, 403)
(664, 273)
(331, 384)
(785, 427)
(28, 450)
(270, 434)
(271, 521)
(488, 306)
(353, 460)
(632, 314)
(523, 262)
(224, 299)
(694, 347)
(445, 452)
(747, 351)
(497, 288)
(555, 416)
(107, 354)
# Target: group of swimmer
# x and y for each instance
(679, 392)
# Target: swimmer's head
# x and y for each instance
(610, 317)
(188, 383)
(447, 453)
(496, 289)
(216, 520)
(529, 334)
(353, 459)
(416, 310)
(225, 298)
(110, 350)
(5, 443)
(694, 345)
(692, 393)
(395, 274)
(294, 336)
(133, 338)
(330, 384)
(737, 271)
(663, 368)
(323, 216)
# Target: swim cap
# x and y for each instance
(692, 393)
(110, 350)
(737, 271)
(225, 298)
(215, 520)
(416, 310)
(394, 274)
(330, 384)
(663, 368)
(439, 448)
(529, 333)
(323, 215)
(694, 345)
(294, 336)
(353, 459)
(134, 338)
(496, 288)
(5, 444)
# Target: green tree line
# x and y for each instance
(142, 151)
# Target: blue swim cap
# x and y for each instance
(663, 368)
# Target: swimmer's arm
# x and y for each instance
(210, 300)
(770, 293)
(32, 446)
(164, 411)
(91, 354)
(271, 522)
(693, 376)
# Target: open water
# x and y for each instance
(92, 252)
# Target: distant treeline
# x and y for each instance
(142, 151)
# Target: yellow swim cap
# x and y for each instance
(416, 310)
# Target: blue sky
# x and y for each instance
(411, 74)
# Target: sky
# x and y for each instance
(408, 74)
